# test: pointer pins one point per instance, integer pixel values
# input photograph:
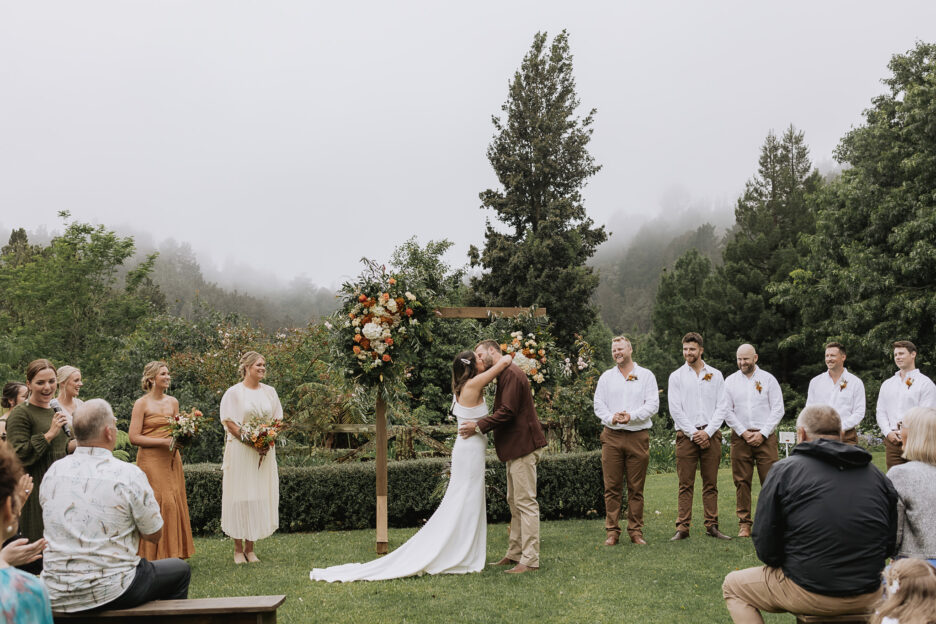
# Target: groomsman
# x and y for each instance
(694, 391)
(625, 399)
(752, 405)
(906, 389)
(840, 389)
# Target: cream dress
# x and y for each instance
(454, 539)
(249, 494)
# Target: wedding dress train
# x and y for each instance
(454, 540)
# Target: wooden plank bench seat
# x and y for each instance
(233, 610)
(851, 618)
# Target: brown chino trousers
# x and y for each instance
(893, 454)
(748, 592)
(743, 459)
(688, 456)
(624, 455)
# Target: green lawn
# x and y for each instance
(580, 579)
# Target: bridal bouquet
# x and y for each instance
(261, 435)
(183, 427)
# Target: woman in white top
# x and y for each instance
(249, 486)
(69, 384)
(454, 539)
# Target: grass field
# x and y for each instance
(580, 580)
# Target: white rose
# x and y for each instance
(392, 306)
(373, 331)
(410, 296)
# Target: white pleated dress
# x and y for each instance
(454, 540)
(249, 493)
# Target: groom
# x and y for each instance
(518, 438)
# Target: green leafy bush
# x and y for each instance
(317, 498)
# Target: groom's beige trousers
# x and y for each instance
(523, 545)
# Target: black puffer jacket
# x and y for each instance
(828, 518)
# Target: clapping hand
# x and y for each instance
(20, 552)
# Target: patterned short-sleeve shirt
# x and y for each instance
(94, 508)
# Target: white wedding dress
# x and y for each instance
(454, 540)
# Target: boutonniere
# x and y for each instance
(707, 377)
(843, 385)
(758, 387)
(631, 377)
(909, 382)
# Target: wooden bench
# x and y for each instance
(234, 610)
(851, 618)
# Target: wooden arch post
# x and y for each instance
(383, 545)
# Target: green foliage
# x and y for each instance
(539, 154)
(63, 300)
(764, 248)
(342, 496)
(867, 278)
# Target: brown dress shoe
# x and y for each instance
(520, 569)
(680, 535)
(503, 562)
(713, 531)
(612, 539)
(744, 530)
(638, 539)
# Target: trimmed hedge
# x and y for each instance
(317, 498)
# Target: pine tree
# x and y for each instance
(539, 154)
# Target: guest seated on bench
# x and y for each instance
(826, 522)
(96, 508)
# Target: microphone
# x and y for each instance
(54, 404)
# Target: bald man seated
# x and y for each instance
(826, 522)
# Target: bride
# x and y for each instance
(454, 540)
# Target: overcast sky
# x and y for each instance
(296, 136)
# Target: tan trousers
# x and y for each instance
(523, 543)
(893, 454)
(743, 459)
(750, 591)
(850, 437)
(624, 454)
(688, 456)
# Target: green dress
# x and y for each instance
(26, 428)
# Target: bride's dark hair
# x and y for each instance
(463, 369)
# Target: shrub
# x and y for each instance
(317, 498)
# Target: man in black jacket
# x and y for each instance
(826, 522)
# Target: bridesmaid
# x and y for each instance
(163, 468)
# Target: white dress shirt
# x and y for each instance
(846, 396)
(896, 398)
(754, 403)
(637, 394)
(693, 398)
(94, 507)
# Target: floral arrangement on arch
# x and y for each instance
(380, 324)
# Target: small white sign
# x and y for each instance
(787, 437)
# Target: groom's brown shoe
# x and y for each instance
(612, 539)
(520, 569)
(713, 531)
(503, 562)
(680, 535)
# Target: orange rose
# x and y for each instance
(384, 296)
(409, 311)
(351, 315)
(392, 281)
(356, 349)
(357, 337)
(389, 341)
(542, 352)
(503, 347)
(362, 298)
(386, 357)
(400, 302)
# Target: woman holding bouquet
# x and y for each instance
(163, 467)
(250, 484)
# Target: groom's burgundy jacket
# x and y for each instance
(517, 430)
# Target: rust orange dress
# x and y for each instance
(164, 471)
